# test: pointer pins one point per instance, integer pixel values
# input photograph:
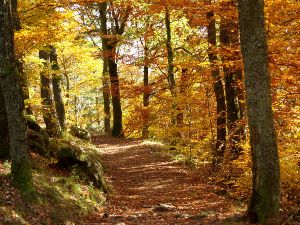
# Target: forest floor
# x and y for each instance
(150, 188)
(147, 187)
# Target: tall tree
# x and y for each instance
(56, 85)
(232, 75)
(49, 114)
(146, 92)
(118, 29)
(264, 203)
(112, 18)
(170, 56)
(105, 73)
(14, 105)
(218, 90)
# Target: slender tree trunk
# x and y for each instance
(230, 41)
(146, 96)
(182, 92)
(171, 75)
(4, 133)
(56, 85)
(117, 130)
(49, 114)
(105, 74)
(14, 105)
(264, 203)
(218, 153)
(67, 87)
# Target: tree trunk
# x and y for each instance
(12, 93)
(105, 74)
(229, 42)
(182, 92)
(56, 85)
(106, 97)
(4, 137)
(24, 84)
(117, 130)
(218, 153)
(264, 203)
(50, 118)
(146, 97)
(171, 76)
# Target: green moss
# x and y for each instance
(265, 205)
(22, 180)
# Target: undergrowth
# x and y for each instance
(64, 198)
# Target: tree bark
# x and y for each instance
(14, 105)
(105, 73)
(229, 42)
(56, 85)
(219, 150)
(146, 95)
(4, 133)
(24, 84)
(49, 114)
(171, 75)
(182, 92)
(117, 130)
(264, 203)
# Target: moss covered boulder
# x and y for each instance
(39, 142)
(81, 156)
(80, 133)
(38, 138)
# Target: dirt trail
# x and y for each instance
(149, 188)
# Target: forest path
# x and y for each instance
(149, 188)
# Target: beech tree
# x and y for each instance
(230, 56)
(264, 203)
(14, 105)
(219, 150)
(49, 113)
(57, 92)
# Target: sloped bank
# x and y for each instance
(70, 152)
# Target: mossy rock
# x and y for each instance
(32, 123)
(80, 133)
(83, 157)
(39, 142)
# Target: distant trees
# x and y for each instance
(14, 105)
(264, 203)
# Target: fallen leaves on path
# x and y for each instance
(149, 188)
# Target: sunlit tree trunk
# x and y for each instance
(49, 114)
(219, 150)
(105, 73)
(170, 73)
(14, 105)
(264, 203)
(56, 85)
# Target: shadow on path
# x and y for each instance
(149, 188)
